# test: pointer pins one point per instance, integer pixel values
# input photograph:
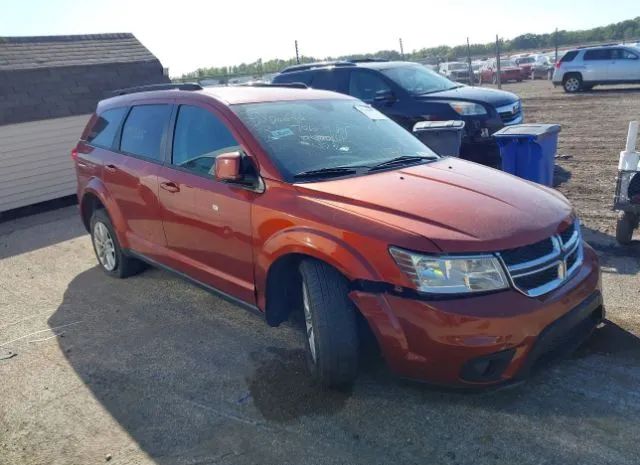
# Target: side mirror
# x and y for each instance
(383, 96)
(228, 166)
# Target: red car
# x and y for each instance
(298, 201)
(509, 71)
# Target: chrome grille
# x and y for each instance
(542, 267)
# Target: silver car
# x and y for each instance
(581, 69)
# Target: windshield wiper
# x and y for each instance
(403, 160)
(325, 172)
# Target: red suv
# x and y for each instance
(290, 200)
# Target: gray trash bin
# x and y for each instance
(443, 137)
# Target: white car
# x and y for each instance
(455, 71)
(581, 69)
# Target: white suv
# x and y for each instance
(581, 69)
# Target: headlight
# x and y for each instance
(450, 274)
(468, 108)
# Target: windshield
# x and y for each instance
(417, 79)
(507, 64)
(526, 60)
(310, 135)
(457, 66)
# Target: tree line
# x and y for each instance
(624, 30)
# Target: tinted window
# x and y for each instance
(622, 54)
(364, 85)
(304, 77)
(324, 80)
(598, 54)
(315, 134)
(199, 138)
(144, 129)
(569, 56)
(105, 127)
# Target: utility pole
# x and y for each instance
(297, 55)
(555, 39)
(472, 79)
(401, 49)
(499, 80)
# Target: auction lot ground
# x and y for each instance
(153, 370)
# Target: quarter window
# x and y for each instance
(569, 56)
(144, 130)
(105, 128)
(364, 85)
(199, 138)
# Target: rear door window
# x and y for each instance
(598, 54)
(105, 127)
(365, 85)
(325, 79)
(198, 139)
(144, 131)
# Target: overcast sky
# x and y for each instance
(189, 34)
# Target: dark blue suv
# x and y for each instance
(409, 92)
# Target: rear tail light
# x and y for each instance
(74, 154)
(557, 64)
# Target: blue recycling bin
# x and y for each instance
(529, 150)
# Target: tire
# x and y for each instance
(572, 83)
(110, 256)
(330, 325)
(627, 222)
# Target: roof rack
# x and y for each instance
(293, 85)
(167, 86)
(319, 64)
(368, 60)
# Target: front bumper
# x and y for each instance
(439, 340)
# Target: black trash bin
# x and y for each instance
(443, 137)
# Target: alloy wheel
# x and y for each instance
(308, 322)
(572, 84)
(105, 247)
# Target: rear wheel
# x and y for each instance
(330, 325)
(627, 222)
(572, 83)
(107, 248)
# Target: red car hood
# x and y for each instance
(459, 205)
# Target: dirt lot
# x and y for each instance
(151, 370)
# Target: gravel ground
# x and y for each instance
(153, 370)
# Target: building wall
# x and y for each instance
(35, 160)
(43, 93)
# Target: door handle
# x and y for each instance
(111, 168)
(170, 186)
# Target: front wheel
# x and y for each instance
(572, 84)
(330, 325)
(627, 222)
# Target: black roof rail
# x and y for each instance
(293, 85)
(596, 46)
(319, 64)
(368, 60)
(167, 86)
